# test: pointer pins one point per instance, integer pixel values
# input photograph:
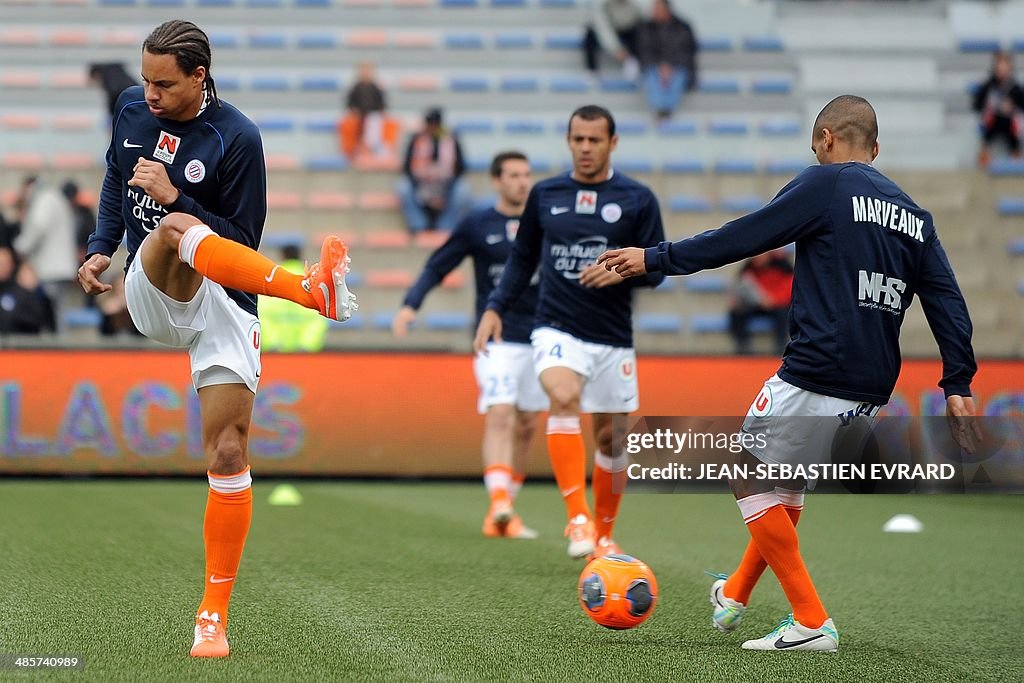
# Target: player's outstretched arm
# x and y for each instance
(627, 262)
(965, 429)
(89, 274)
(488, 329)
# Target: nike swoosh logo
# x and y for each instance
(214, 579)
(556, 210)
(569, 492)
(270, 277)
(128, 145)
(781, 644)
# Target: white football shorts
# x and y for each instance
(506, 376)
(609, 372)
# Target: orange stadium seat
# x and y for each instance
(328, 200)
(431, 239)
(23, 161)
(389, 279)
(21, 122)
(120, 38)
(88, 198)
(69, 79)
(277, 199)
(387, 239)
(74, 161)
(20, 37)
(423, 83)
(454, 280)
(282, 162)
(70, 38)
(366, 38)
(381, 200)
(74, 122)
(414, 40)
(20, 79)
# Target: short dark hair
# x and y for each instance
(593, 112)
(498, 162)
(851, 119)
(189, 45)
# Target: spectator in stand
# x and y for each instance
(22, 309)
(365, 130)
(112, 78)
(1000, 101)
(432, 190)
(46, 240)
(667, 49)
(612, 30)
(764, 289)
(85, 217)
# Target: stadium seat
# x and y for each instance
(524, 127)
(264, 4)
(741, 203)
(557, 3)
(327, 162)
(513, 41)
(319, 84)
(222, 40)
(709, 323)
(430, 239)
(278, 240)
(780, 127)
(454, 280)
(618, 84)
(270, 83)
(330, 200)
(312, 3)
(116, 3)
(75, 122)
(459, 3)
(689, 204)
(667, 285)
(20, 79)
(282, 162)
(417, 41)
(476, 125)
(659, 323)
(75, 161)
(165, 3)
(464, 41)
(21, 121)
(381, 200)
(381, 320)
(422, 83)
(736, 166)
(519, 84)
(276, 124)
(1017, 45)
(387, 239)
(27, 161)
(762, 44)
(215, 3)
(563, 41)
(574, 84)
(683, 166)
(979, 44)
(772, 86)
(468, 84)
(706, 283)
(631, 127)
(786, 166)
(122, 38)
(389, 279)
(1006, 167)
(715, 44)
(1010, 206)
(69, 38)
(228, 83)
(20, 37)
(69, 79)
(681, 127)
(722, 85)
(508, 3)
(634, 165)
(366, 38)
(82, 318)
(268, 41)
(317, 41)
(1016, 247)
(728, 127)
(282, 200)
(447, 320)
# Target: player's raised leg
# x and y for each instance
(567, 452)
(226, 411)
(609, 482)
(237, 266)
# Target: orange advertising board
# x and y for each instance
(355, 414)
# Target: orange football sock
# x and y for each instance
(236, 266)
(225, 527)
(776, 539)
(742, 581)
(609, 482)
(497, 481)
(568, 459)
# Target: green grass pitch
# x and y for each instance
(393, 582)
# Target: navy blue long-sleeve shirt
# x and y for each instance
(215, 161)
(487, 236)
(566, 225)
(864, 249)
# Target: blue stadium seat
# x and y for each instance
(728, 127)
(464, 41)
(569, 84)
(682, 127)
(468, 84)
(715, 44)
(447, 320)
(659, 323)
(317, 41)
(381, 320)
(227, 83)
(688, 204)
(215, 3)
(165, 3)
(276, 124)
(706, 283)
(1016, 247)
(631, 127)
(563, 41)
(1010, 206)
(117, 3)
(519, 84)
(780, 127)
(327, 162)
(667, 285)
(616, 84)
(513, 41)
(634, 165)
(709, 323)
(683, 166)
(322, 125)
(82, 318)
(477, 125)
(277, 240)
(312, 3)
(270, 83)
(481, 164)
(979, 44)
(319, 84)
(760, 324)
(221, 40)
(744, 203)
(736, 166)
(458, 3)
(786, 166)
(508, 3)
(772, 86)
(719, 86)
(762, 44)
(264, 3)
(1017, 45)
(557, 3)
(268, 41)
(524, 127)
(1006, 167)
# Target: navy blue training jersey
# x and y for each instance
(487, 236)
(566, 225)
(215, 161)
(863, 250)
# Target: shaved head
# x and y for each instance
(851, 119)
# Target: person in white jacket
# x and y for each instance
(612, 29)
(46, 240)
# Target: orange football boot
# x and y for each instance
(211, 640)
(326, 281)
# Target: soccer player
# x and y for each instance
(510, 394)
(582, 338)
(186, 179)
(863, 250)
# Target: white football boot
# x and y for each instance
(793, 636)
